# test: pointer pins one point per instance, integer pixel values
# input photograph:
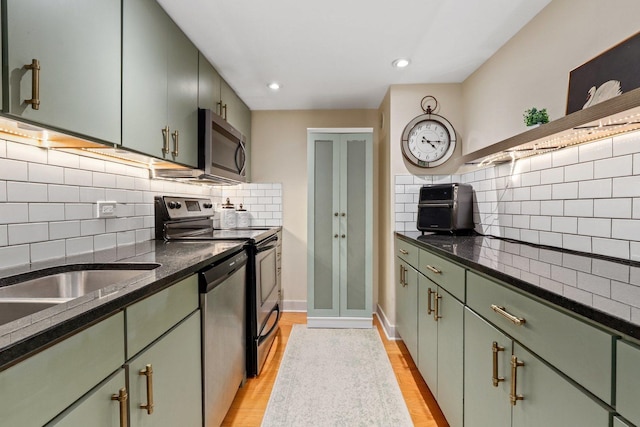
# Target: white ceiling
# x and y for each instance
(337, 54)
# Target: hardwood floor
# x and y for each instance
(251, 401)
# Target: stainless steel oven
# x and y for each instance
(445, 207)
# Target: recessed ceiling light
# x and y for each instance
(273, 86)
(400, 63)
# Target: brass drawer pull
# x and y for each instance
(401, 273)
(433, 269)
(403, 252)
(495, 349)
(122, 398)
(148, 372)
(515, 364)
(518, 321)
(429, 309)
(165, 140)
(436, 302)
(35, 84)
(175, 143)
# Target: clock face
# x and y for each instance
(427, 142)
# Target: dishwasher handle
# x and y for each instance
(220, 271)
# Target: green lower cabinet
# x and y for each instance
(548, 399)
(628, 381)
(485, 402)
(440, 347)
(544, 397)
(406, 306)
(97, 408)
(175, 382)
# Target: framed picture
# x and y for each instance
(609, 74)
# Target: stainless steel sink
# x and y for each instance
(26, 296)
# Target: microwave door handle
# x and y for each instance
(241, 169)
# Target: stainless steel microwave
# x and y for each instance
(222, 152)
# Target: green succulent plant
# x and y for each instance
(534, 116)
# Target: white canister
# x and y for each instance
(244, 218)
(228, 216)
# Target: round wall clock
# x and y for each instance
(428, 140)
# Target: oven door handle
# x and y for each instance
(261, 338)
(435, 205)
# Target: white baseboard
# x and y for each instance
(294, 305)
(389, 330)
(340, 322)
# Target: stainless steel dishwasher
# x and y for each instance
(223, 307)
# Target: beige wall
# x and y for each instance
(532, 69)
(279, 154)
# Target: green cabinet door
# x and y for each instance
(209, 82)
(427, 357)
(176, 383)
(77, 44)
(548, 399)
(97, 408)
(406, 285)
(486, 402)
(617, 422)
(340, 272)
(628, 380)
(450, 313)
(159, 84)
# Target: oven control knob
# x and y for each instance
(178, 205)
(171, 205)
(207, 205)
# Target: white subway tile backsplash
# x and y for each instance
(28, 153)
(3, 191)
(40, 212)
(597, 150)
(578, 208)
(628, 186)
(541, 192)
(104, 241)
(552, 207)
(598, 227)
(614, 167)
(92, 227)
(542, 223)
(126, 238)
(13, 170)
(64, 229)
(552, 176)
(551, 239)
(561, 224)
(125, 182)
(120, 196)
(47, 250)
(628, 229)
(564, 157)
(523, 193)
(78, 177)
(79, 245)
(612, 208)
(11, 213)
(626, 144)
(91, 195)
(11, 256)
(45, 173)
(612, 307)
(610, 247)
(530, 179)
(540, 162)
(108, 180)
(576, 243)
(78, 211)
(26, 192)
(63, 193)
(4, 237)
(564, 191)
(600, 188)
(594, 284)
(625, 293)
(578, 295)
(60, 158)
(578, 172)
(28, 233)
(530, 207)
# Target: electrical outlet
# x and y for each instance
(106, 209)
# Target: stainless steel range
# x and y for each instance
(185, 219)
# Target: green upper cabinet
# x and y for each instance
(159, 85)
(209, 82)
(77, 46)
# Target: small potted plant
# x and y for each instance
(533, 116)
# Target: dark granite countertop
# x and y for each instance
(601, 289)
(178, 260)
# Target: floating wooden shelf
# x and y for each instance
(612, 117)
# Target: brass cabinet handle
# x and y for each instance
(35, 84)
(433, 269)
(122, 398)
(148, 372)
(175, 143)
(518, 321)
(165, 140)
(402, 274)
(224, 107)
(495, 349)
(403, 252)
(515, 364)
(429, 309)
(436, 303)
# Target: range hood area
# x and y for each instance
(614, 116)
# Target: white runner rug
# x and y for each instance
(335, 377)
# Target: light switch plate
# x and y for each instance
(106, 209)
